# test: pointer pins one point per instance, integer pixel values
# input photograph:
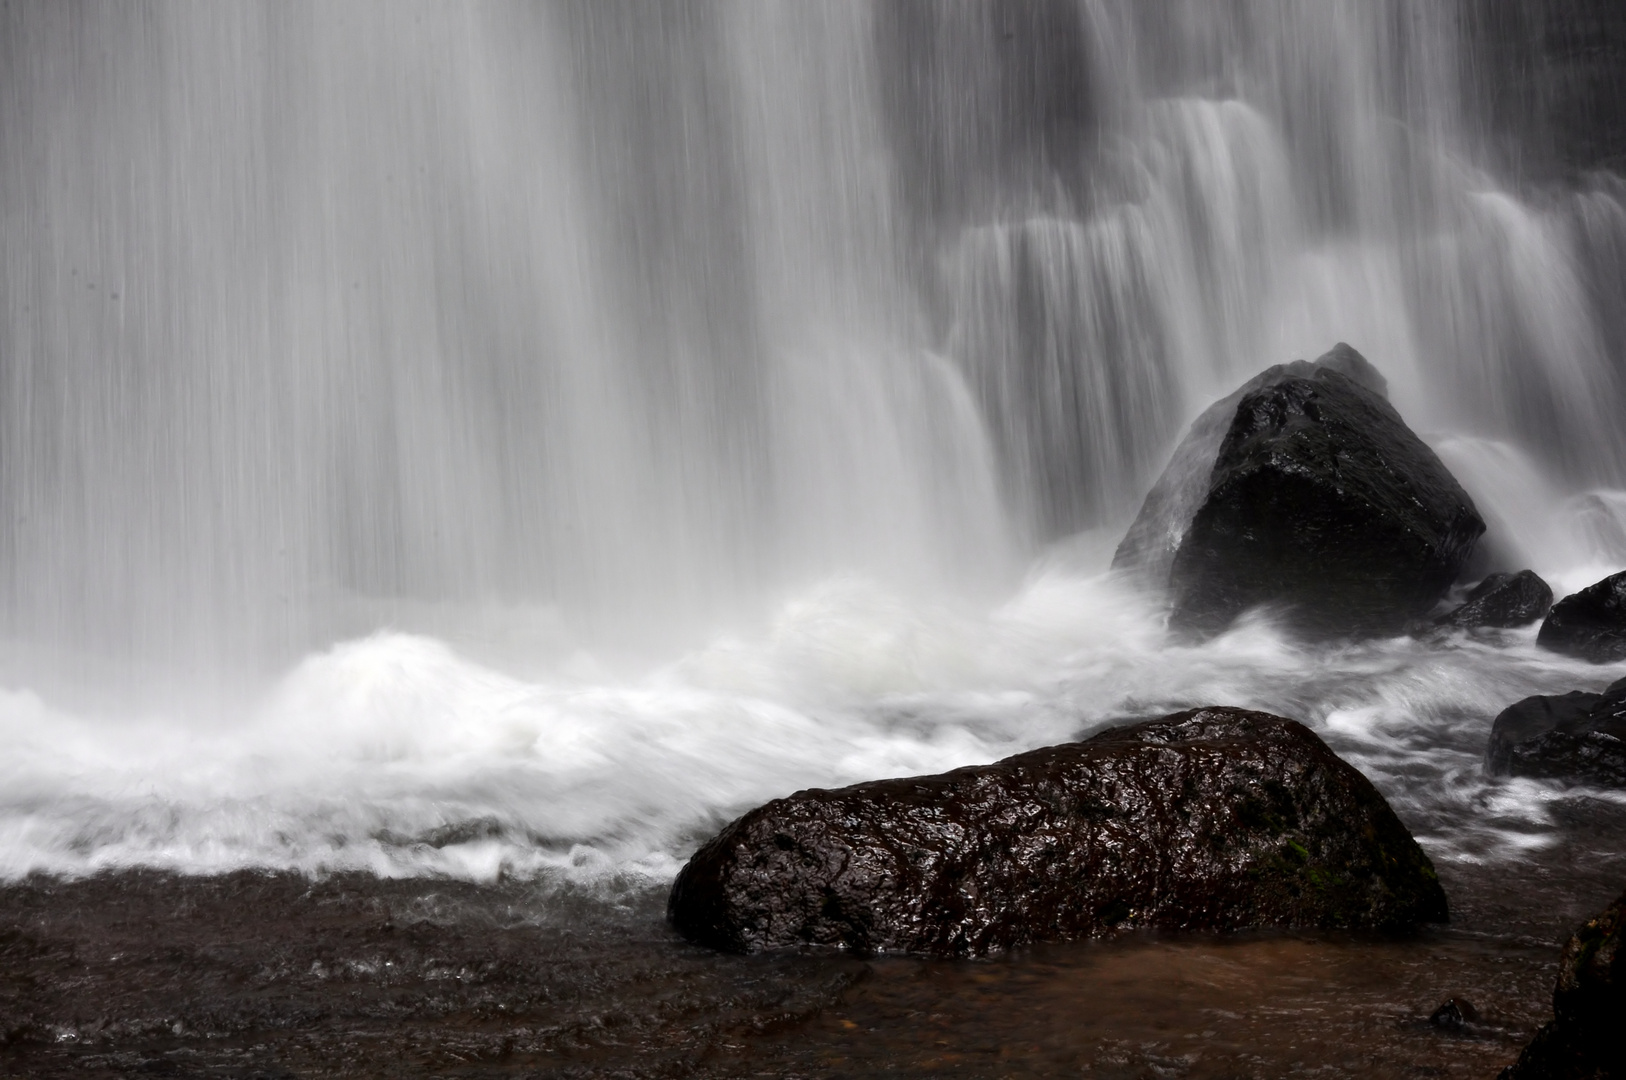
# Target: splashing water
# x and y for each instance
(397, 755)
(513, 439)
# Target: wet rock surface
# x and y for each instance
(1502, 601)
(1317, 500)
(1454, 1014)
(1213, 819)
(1148, 548)
(1324, 502)
(1584, 1040)
(1576, 736)
(1590, 624)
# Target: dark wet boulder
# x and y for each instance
(1502, 601)
(1584, 1040)
(1455, 1014)
(1147, 550)
(1306, 492)
(1213, 819)
(1576, 736)
(1590, 624)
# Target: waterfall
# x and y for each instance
(313, 315)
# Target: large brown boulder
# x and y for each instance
(1584, 1040)
(1214, 819)
(1304, 491)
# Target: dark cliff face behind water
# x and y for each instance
(1551, 75)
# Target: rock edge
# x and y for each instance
(1212, 819)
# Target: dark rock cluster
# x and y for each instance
(1583, 1041)
(1591, 624)
(1575, 736)
(1304, 491)
(1213, 819)
(1502, 601)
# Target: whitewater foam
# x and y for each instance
(395, 754)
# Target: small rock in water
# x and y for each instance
(1584, 1041)
(1575, 736)
(1305, 491)
(1213, 819)
(1590, 624)
(1502, 601)
(1456, 1014)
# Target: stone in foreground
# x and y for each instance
(1590, 624)
(1214, 819)
(1584, 1041)
(1577, 736)
(1317, 500)
(1502, 602)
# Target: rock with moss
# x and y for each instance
(1583, 1041)
(1213, 819)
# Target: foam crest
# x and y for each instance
(396, 755)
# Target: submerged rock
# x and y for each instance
(1590, 624)
(1502, 601)
(1584, 1040)
(1304, 490)
(1213, 819)
(1575, 736)
(1455, 1014)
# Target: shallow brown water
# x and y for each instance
(256, 975)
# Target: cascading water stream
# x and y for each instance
(678, 395)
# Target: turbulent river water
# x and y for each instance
(464, 454)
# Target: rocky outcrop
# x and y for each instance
(1584, 1041)
(1147, 550)
(1304, 491)
(1214, 819)
(1576, 736)
(1590, 624)
(1502, 601)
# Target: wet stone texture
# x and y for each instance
(1578, 737)
(1586, 1039)
(1502, 601)
(1324, 503)
(1213, 819)
(1148, 548)
(1590, 624)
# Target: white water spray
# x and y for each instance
(544, 431)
